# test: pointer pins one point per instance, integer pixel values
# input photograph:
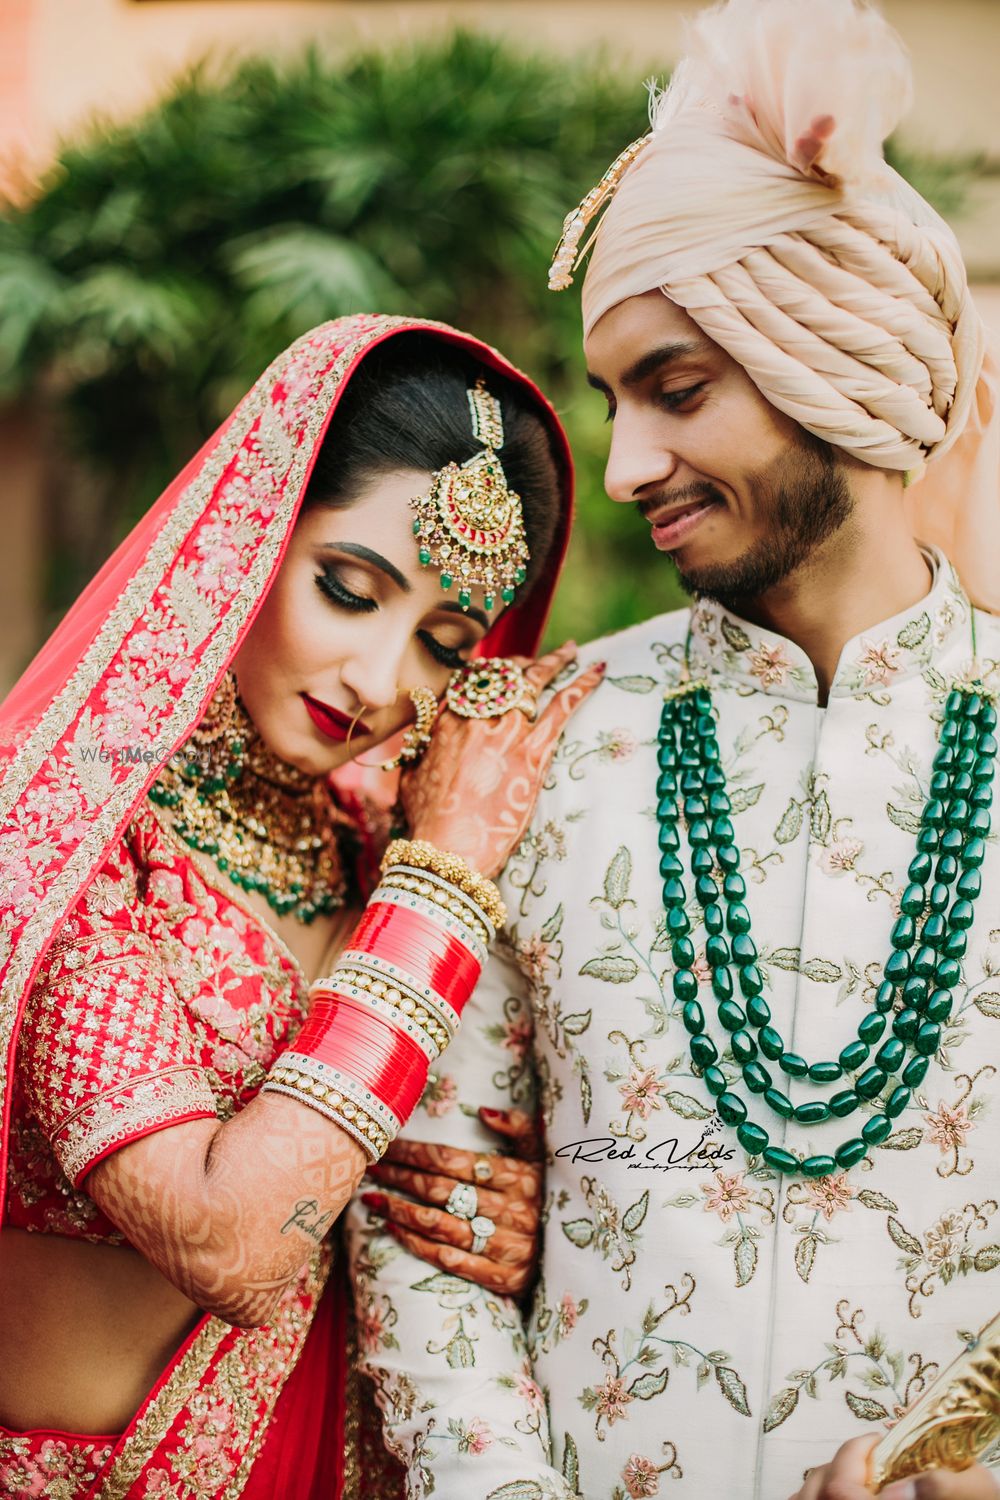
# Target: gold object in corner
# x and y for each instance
(954, 1421)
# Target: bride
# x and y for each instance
(181, 858)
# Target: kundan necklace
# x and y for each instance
(267, 825)
(928, 940)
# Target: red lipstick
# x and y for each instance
(331, 722)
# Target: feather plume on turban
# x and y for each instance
(763, 206)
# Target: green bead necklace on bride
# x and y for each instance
(928, 940)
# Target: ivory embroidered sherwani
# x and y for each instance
(704, 1327)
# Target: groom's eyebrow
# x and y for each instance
(651, 363)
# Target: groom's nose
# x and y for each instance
(640, 462)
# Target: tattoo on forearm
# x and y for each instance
(213, 1234)
(307, 1217)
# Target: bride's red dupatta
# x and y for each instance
(131, 669)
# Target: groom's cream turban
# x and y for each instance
(762, 205)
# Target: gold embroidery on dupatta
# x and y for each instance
(242, 1390)
(352, 1416)
(155, 1422)
(179, 593)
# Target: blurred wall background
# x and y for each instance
(73, 76)
(62, 61)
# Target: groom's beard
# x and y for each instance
(802, 498)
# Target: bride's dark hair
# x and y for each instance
(407, 407)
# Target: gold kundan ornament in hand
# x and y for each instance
(953, 1423)
(469, 524)
(491, 687)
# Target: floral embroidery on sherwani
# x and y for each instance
(703, 1326)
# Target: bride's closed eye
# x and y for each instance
(332, 586)
(448, 656)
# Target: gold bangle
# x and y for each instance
(297, 1084)
(450, 867)
(447, 897)
(401, 1004)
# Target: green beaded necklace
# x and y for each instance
(928, 939)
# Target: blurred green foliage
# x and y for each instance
(164, 262)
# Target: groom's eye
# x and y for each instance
(677, 400)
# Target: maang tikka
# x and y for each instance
(469, 523)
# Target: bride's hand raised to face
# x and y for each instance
(475, 788)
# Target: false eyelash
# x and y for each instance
(446, 655)
(330, 583)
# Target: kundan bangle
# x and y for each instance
(432, 888)
(394, 999)
(450, 867)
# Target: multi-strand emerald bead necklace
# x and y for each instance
(928, 940)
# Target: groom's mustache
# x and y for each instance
(660, 504)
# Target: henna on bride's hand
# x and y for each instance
(475, 788)
(503, 1208)
(511, 1196)
(523, 1132)
(508, 1173)
(505, 1245)
(494, 1275)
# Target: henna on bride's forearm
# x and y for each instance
(218, 1208)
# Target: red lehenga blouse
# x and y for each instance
(164, 999)
(136, 991)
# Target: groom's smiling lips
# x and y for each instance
(673, 524)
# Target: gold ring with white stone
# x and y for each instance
(482, 1231)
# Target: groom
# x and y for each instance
(753, 936)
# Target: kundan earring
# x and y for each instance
(417, 736)
(215, 754)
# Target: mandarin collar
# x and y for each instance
(753, 659)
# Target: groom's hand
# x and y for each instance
(846, 1479)
(508, 1191)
